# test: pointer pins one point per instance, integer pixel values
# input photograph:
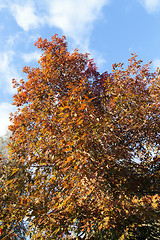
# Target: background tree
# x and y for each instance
(86, 147)
(16, 230)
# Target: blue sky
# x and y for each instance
(110, 30)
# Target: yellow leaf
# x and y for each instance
(122, 237)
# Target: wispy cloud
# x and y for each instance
(14, 39)
(33, 56)
(5, 110)
(3, 4)
(7, 71)
(156, 63)
(99, 59)
(151, 6)
(25, 16)
(75, 18)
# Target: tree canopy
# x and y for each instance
(84, 148)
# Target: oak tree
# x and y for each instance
(85, 147)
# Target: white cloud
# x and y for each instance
(99, 59)
(7, 71)
(25, 16)
(5, 110)
(156, 63)
(33, 56)
(2, 4)
(14, 39)
(75, 17)
(151, 5)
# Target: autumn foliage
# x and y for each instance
(84, 148)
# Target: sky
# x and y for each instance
(110, 30)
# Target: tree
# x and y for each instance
(17, 229)
(85, 147)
